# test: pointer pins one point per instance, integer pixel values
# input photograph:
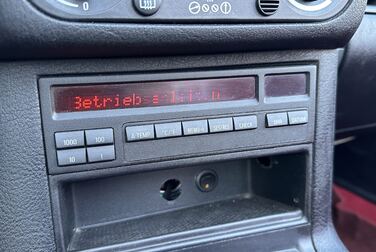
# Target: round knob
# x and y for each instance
(268, 7)
(147, 7)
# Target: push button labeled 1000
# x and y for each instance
(69, 139)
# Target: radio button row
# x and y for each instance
(101, 153)
(221, 125)
(195, 127)
(245, 122)
(276, 119)
(139, 133)
(69, 139)
(71, 157)
(298, 117)
(99, 136)
(165, 130)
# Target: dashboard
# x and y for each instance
(164, 125)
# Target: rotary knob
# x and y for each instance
(147, 7)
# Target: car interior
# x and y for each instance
(188, 125)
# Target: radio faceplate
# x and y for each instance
(280, 120)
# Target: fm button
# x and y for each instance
(147, 7)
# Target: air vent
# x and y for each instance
(371, 7)
(268, 7)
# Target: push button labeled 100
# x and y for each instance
(99, 136)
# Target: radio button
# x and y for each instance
(165, 130)
(276, 119)
(195, 127)
(221, 125)
(99, 136)
(298, 117)
(139, 133)
(245, 122)
(101, 153)
(71, 157)
(69, 139)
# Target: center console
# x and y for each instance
(165, 159)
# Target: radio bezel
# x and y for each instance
(163, 149)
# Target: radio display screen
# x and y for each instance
(92, 97)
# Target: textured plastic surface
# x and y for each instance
(356, 83)
(27, 33)
(187, 11)
(139, 213)
(232, 210)
(25, 215)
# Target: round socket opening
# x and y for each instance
(171, 189)
(265, 162)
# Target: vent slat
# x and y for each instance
(268, 7)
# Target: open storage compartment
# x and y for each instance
(134, 209)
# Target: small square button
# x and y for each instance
(69, 139)
(221, 125)
(195, 127)
(99, 136)
(139, 133)
(71, 157)
(276, 119)
(165, 130)
(298, 117)
(245, 122)
(101, 153)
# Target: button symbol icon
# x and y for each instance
(226, 8)
(215, 8)
(148, 4)
(205, 7)
(194, 8)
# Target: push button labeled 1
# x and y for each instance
(101, 153)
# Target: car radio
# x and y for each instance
(96, 122)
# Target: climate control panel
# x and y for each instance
(216, 11)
